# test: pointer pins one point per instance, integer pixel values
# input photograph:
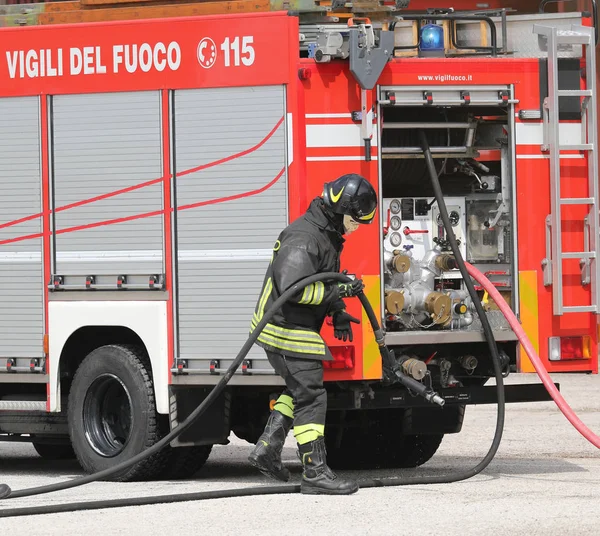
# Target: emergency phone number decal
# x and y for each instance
(143, 55)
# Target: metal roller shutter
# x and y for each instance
(21, 274)
(229, 214)
(103, 143)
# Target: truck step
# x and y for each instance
(22, 405)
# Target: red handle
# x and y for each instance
(408, 231)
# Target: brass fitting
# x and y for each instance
(439, 307)
(415, 368)
(394, 302)
(445, 262)
(401, 263)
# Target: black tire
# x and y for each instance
(112, 413)
(415, 450)
(50, 451)
(375, 442)
(185, 462)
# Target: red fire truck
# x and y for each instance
(148, 164)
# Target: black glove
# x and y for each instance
(347, 290)
(341, 325)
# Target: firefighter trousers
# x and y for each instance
(305, 398)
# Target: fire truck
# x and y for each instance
(150, 154)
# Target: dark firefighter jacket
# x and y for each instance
(308, 246)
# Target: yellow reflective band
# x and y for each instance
(368, 216)
(336, 198)
(277, 246)
(308, 294)
(298, 347)
(319, 293)
(285, 405)
(292, 334)
(308, 432)
(263, 299)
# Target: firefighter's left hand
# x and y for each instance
(341, 325)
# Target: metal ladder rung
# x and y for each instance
(567, 37)
(579, 309)
(577, 147)
(574, 93)
(578, 255)
(577, 201)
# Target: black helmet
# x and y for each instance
(352, 195)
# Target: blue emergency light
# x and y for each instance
(432, 40)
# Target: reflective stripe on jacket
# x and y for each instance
(310, 245)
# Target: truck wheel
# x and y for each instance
(381, 451)
(185, 462)
(50, 451)
(112, 413)
(413, 450)
(374, 440)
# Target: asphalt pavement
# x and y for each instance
(545, 480)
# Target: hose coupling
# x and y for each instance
(379, 337)
(413, 367)
(446, 262)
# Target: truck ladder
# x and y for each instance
(553, 264)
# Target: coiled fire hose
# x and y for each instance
(466, 271)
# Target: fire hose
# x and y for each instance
(391, 368)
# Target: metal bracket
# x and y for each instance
(180, 366)
(367, 61)
(366, 127)
(546, 126)
(585, 264)
(547, 261)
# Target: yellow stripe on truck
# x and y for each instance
(371, 357)
(529, 313)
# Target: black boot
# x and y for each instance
(318, 478)
(266, 456)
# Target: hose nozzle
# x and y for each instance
(435, 398)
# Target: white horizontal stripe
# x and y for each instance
(533, 133)
(336, 136)
(542, 156)
(329, 116)
(225, 254)
(108, 256)
(335, 158)
(21, 256)
(138, 256)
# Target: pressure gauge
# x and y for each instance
(395, 206)
(396, 239)
(395, 223)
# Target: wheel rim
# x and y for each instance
(107, 415)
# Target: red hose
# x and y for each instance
(535, 359)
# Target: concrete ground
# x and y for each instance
(545, 480)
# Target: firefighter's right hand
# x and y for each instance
(348, 290)
(342, 329)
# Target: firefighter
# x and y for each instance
(310, 245)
